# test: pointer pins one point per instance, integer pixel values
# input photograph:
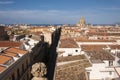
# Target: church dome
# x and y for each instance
(81, 22)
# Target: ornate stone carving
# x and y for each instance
(39, 71)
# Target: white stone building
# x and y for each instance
(103, 66)
(68, 47)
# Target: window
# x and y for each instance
(110, 63)
(22, 67)
(18, 73)
(27, 76)
(110, 72)
(76, 50)
(69, 54)
(27, 64)
(13, 77)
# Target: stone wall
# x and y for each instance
(46, 53)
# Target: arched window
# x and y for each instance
(27, 64)
(27, 76)
(22, 67)
(13, 76)
(18, 74)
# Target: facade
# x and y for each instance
(104, 63)
(39, 29)
(6, 44)
(69, 47)
(28, 43)
(15, 63)
(3, 34)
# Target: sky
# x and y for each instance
(59, 11)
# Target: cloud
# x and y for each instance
(38, 16)
(110, 8)
(56, 16)
(6, 2)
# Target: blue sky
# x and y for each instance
(59, 11)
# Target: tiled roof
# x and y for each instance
(68, 43)
(100, 55)
(7, 55)
(73, 71)
(2, 68)
(93, 47)
(88, 40)
(70, 58)
(114, 46)
(4, 59)
(16, 50)
(9, 44)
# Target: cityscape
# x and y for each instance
(59, 40)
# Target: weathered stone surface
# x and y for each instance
(73, 72)
(46, 53)
(38, 78)
(39, 70)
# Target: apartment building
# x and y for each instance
(14, 64)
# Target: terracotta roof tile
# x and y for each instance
(93, 47)
(9, 44)
(70, 58)
(2, 68)
(17, 50)
(4, 59)
(10, 53)
(88, 40)
(100, 55)
(68, 43)
(114, 46)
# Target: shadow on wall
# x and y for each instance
(45, 53)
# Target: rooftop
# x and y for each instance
(71, 68)
(7, 57)
(68, 43)
(92, 47)
(2, 68)
(70, 58)
(16, 50)
(9, 44)
(4, 59)
(114, 46)
(99, 55)
(89, 40)
(9, 53)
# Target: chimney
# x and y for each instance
(42, 38)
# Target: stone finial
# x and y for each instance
(38, 78)
(39, 71)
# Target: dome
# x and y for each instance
(81, 22)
